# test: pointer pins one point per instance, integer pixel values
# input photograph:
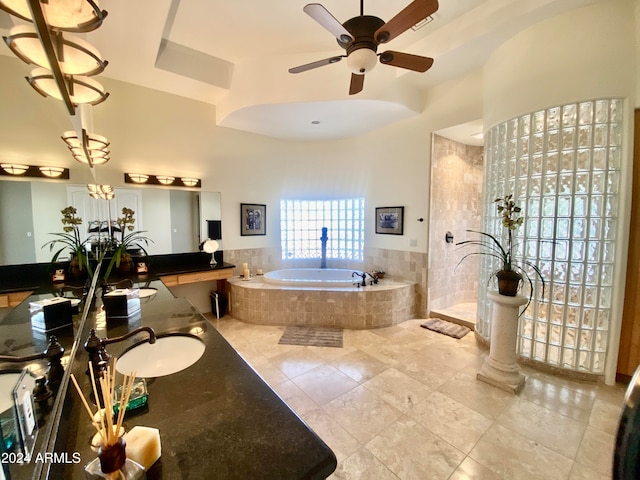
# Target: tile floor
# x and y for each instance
(403, 402)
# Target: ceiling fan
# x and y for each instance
(361, 35)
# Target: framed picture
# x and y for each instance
(390, 220)
(253, 219)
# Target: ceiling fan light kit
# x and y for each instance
(361, 35)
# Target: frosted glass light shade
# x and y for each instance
(165, 180)
(138, 177)
(51, 172)
(362, 61)
(68, 15)
(94, 141)
(101, 191)
(81, 89)
(75, 55)
(189, 182)
(14, 168)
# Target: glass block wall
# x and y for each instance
(562, 165)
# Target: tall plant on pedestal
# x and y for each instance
(512, 271)
(70, 242)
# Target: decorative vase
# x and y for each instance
(74, 269)
(112, 463)
(508, 282)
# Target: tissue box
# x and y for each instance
(50, 314)
(122, 303)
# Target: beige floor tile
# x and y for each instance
(612, 394)
(296, 362)
(398, 389)
(513, 456)
(605, 416)
(412, 452)
(561, 399)
(557, 432)
(362, 413)
(339, 440)
(324, 383)
(596, 450)
(295, 397)
(359, 365)
(580, 472)
(452, 421)
(479, 396)
(432, 374)
(469, 469)
(362, 465)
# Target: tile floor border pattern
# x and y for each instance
(402, 402)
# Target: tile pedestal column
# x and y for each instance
(500, 368)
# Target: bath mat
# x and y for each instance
(312, 336)
(446, 328)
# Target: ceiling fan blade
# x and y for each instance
(357, 83)
(316, 64)
(406, 60)
(328, 21)
(405, 19)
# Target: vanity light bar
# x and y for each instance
(33, 171)
(147, 179)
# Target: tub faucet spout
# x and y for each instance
(363, 275)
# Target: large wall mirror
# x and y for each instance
(176, 220)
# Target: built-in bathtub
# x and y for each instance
(314, 277)
(313, 302)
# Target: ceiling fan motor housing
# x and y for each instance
(361, 52)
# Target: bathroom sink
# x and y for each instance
(169, 354)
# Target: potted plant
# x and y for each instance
(511, 272)
(70, 240)
(134, 240)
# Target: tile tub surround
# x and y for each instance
(399, 265)
(257, 302)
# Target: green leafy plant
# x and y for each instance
(70, 240)
(491, 246)
(134, 240)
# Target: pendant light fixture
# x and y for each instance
(67, 15)
(80, 89)
(90, 148)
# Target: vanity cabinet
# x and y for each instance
(195, 277)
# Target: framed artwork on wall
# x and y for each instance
(253, 219)
(390, 220)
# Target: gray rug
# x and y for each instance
(312, 336)
(446, 328)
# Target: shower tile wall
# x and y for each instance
(397, 264)
(456, 205)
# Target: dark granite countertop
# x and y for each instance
(217, 418)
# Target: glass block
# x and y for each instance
(540, 331)
(551, 163)
(562, 252)
(525, 347)
(601, 337)
(558, 293)
(572, 315)
(549, 185)
(577, 252)
(563, 228)
(569, 115)
(570, 337)
(598, 181)
(584, 136)
(553, 355)
(593, 251)
(592, 274)
(545, 268)
(564, 206)
(523, 147)
(568, 141)
(557, 314)
(606, 275)
(535, 186)
(615, 135)
(579, 224)
(546, 248)
(524, 125)
(608, 252)
(605, 297)
(512, 148)
(537, 143)
(600, 135)
(585, 116)
(548, 206)
(603, 320)
(538, 122)
(616, 110)
(599, 158)
(583, 159)
(584, 360)
(565, 186)
(559, 271)
(598, 362)
(588, 318)
(568, 358)
(613, 184)
(595, 228)
(597, 206)
(575, 295)
(539, 350)
(553, 140)
(590, 296)
(576, 273)
(567, 161)
(601, 111)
